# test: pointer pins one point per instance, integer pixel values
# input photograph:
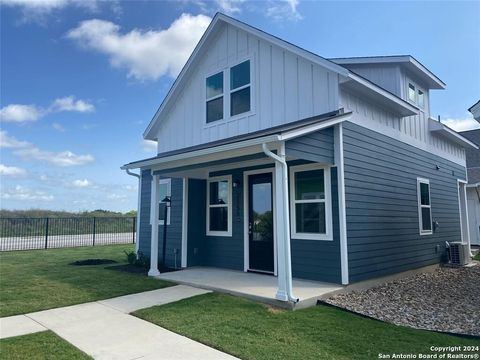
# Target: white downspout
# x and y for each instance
(139, 204)
(284, 253)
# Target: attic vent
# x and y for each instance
(459, 254)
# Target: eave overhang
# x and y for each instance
(379, 95)
(438, 128)
(242, 145)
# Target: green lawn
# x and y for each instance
(253, 331)
(42, 345)
(477, 257)
(43, 279)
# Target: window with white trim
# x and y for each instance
(165, 190)
(310, 199)
(219, 206)
(214, 95)
(240, 88)
(424, 206)
(228, 92)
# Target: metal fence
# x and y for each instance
(48, 233)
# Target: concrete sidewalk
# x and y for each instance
(104, 330)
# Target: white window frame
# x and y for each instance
(422, 106)
(169, 193)
(207, 99)
(228, 178)
(420, 206)
(328, 235)
(227, 93)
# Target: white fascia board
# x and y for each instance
(251, 30)
(402, 103)
(202, 152)
(390, 60)
(288, 135)
(439, 128)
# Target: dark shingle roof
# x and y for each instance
(473, 155)
(473, 175)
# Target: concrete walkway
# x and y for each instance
(104, 330)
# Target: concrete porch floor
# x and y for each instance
(254, 286)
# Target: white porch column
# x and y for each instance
(342, 211)
(139, 207)
(154, 208)
(280, 219)
(284, 263)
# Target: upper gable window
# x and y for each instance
(421, 98)
(240, 88)
(411, 92)
(214, 99)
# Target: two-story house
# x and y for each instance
(279, 161)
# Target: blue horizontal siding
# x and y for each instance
(174, 230)
(381, 204)
(317, 147)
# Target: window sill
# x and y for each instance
(315, 237)
(219, 233)
(426, 233)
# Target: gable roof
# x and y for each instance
(149, 133)
(407, 61)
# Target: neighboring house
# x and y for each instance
(283, 162)
(473, 186)
(475, 110)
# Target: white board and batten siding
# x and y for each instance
(285, 88)
(413, 130)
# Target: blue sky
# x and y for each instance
(80, 80)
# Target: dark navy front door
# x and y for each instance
(260, 222)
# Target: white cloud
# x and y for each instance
(28, 151)
(281, 10)
(230, 6)
(149, 146)
(69, 103)
(37, 10)
(81, 183)
(468, 123)
(117, 197)
(58, 127)
(11, 142)
(22, 193)
(12, 171)
(146, 54)
(20, 113)
(63, 158)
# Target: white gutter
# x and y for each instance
(139, 203)
(285, 244)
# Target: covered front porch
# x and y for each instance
(261, 209)
(259, 287)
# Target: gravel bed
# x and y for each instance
(447, 299)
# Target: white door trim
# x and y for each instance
(246, 254)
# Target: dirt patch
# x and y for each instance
(92, 262)
(275, 310)
(447, 299)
